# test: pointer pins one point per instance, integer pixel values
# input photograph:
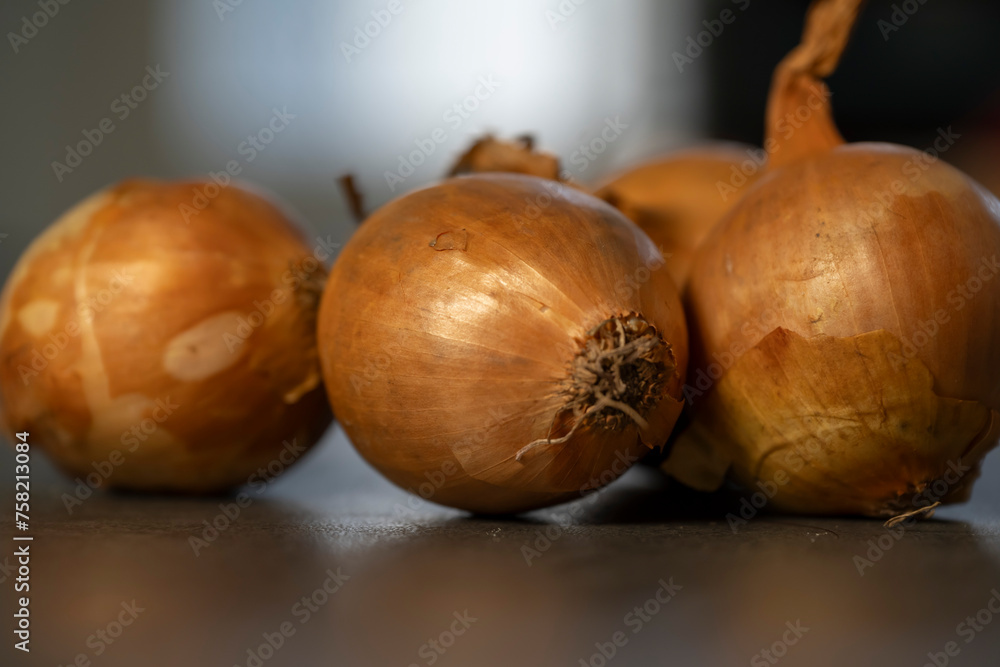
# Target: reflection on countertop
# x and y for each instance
(332, 565)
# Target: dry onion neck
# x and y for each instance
(614, 379)
(489, 154)
(797, 87)
(308, 282)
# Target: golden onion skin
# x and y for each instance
(873, 271)
(844, 316)
(849, 264)
(449, 325)
(122, 348)
(678, 199)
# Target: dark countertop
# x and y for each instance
(410, 574)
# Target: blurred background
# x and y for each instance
(187, 86)
(558, 69)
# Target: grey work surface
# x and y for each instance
(412, 566)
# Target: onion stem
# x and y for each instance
(798, 91)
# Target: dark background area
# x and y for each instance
(940, 68)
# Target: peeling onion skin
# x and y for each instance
(800, 254)
(813, 244)
(848, 311)
(677, 200)
(448, 327)
(146, 377)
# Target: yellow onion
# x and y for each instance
(161, 336)
(501, 342)
(845, 316)
(678, 199)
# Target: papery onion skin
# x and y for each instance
(122, 351)
(678, 199)
(829, 246)
(448, 329)
(844, 317)
(815, 244)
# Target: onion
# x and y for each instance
(845, 316)
(678, 199)
(500, 342)
(158, 338)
